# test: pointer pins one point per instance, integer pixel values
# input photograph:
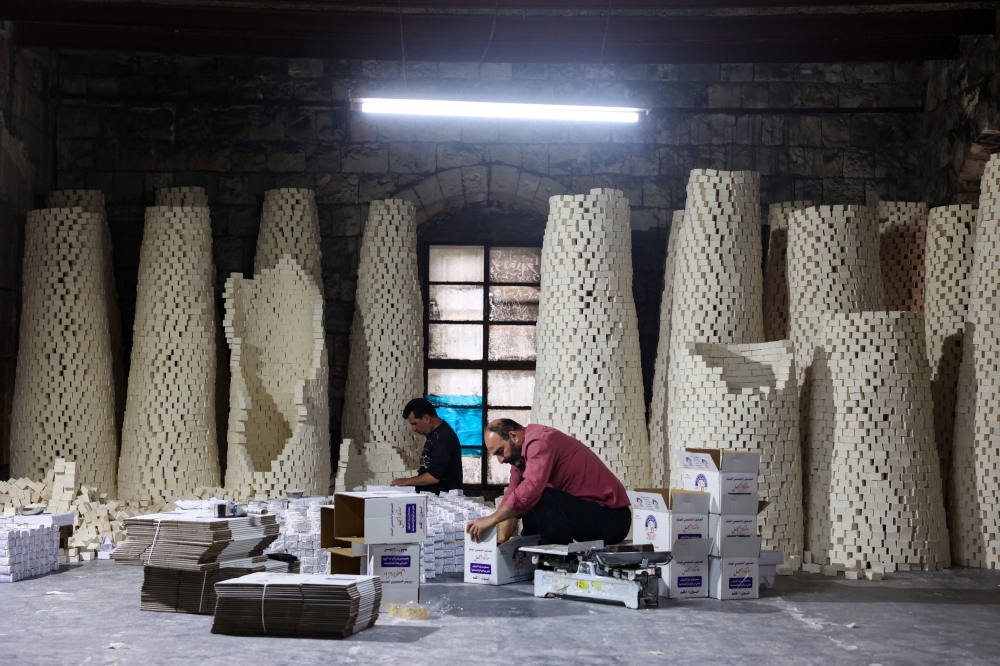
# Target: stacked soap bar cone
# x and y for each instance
(279, 437)
(385, 369)
(169, 442)
(182, 196)
(947, 265)
(588, 380)
(658, 448)
(744, 397)
(289, 224)
(886, 507)
(902, 237)
(196, 541)
(318, 606)
(974, 486)
(64, 391)
(92, 201)
(775, 279)
(833, 266)
(718, 284)
(179, 591)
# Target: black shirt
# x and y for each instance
(442, 459)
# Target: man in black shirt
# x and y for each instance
(441, 460)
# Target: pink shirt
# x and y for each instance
(555, 460)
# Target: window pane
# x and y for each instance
(514, 303)
(456, 263)
(472, 469)
(456, 341)
(499, 473)
(457, 303)
(515, 264)
(455, 388)
(512, 343)
(511, 387)
(522, 416)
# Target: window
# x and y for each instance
(481, 309)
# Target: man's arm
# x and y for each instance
(424, 479)
(480, 526)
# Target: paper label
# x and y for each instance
(395, 560)
(689, 581)
(411, 518)
(477, 568)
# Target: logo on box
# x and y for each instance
(651, 528)
(689, 581)
(395, 560)
(744, 583)
(411, 518)
(480, 568)
(701, 483)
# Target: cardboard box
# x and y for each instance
(660, 516)
(686, 575)
(380, 518)
(486, 563)
(398, 566)
(720, 527)
(735, 575)
(57, 519)
(730, 477)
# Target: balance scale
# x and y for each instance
(590, 570)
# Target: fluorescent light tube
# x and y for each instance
(434, 107)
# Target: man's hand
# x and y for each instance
(478, 527)
(398, 483)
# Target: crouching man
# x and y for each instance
(558, 486)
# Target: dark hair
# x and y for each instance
(419, 407)
(504, 427)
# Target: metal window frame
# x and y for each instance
(484, 364)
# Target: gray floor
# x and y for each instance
(88, 614)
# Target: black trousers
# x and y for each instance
(561, 518)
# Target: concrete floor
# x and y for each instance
(89, 614)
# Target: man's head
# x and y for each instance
(421, 416)
(504, 439)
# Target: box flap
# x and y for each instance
(740, 461)
(706, 460)
(650, 499)
(690, 501)
(736, 546)
(489, 538)
(691, 549)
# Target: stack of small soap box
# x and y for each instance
(377, 533)
(27, 551)
(729, 478)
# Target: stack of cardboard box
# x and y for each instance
(676, 521)
(729, 478)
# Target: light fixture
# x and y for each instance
(435, 107)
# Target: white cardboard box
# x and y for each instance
(398, 566)
(380, 518)
(720, 527)
(730, 477)
(486, 563)
(686, 576)
(735, 576)
(57, 519)
(660, 517)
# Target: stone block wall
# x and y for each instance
(25, 176)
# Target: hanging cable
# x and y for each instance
(604, 41)
(479, 64)
(402, 45)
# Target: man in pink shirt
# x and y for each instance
(558, 486)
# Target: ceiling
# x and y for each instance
(552, 31)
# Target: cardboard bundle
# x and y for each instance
(179, 591)
(195, 541)
(718, 283)
(948, 264)
(881, 486)
(658, 450)
(275, 604)
(974, 488)
(386, 368)
(279, 420)
(902, 238)
(64, 389)
(775, 277)
(169, 444)
(588, 379)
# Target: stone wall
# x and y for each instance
(130, 123)
(25, 177)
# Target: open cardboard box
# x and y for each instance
(730, 477)
(661, 516)
(487, 563)
(735, 575)
(380, 518)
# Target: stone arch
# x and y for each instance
(452, 189)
